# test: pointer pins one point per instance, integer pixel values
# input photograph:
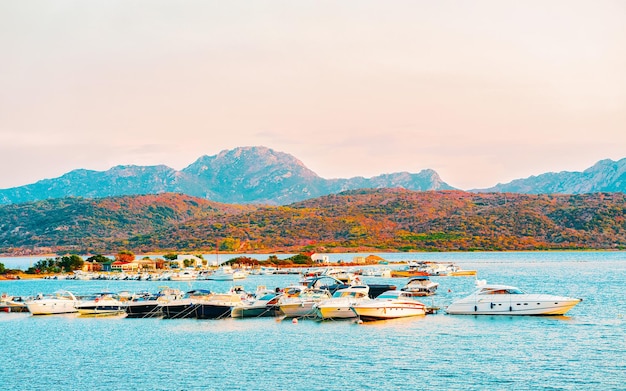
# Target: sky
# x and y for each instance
(482, 92)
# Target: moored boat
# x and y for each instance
(421, 286)
(184, 275)
(100, 304)
(339, 306)
(412, 269)
(489, 299)
(60, 302)
(265, 303)
(377, 272)
(149, 305)
(185, 306)
(302, 305)
(12, 303)
(332, 284)
(390, 305)
(462, 272)
(218, 306)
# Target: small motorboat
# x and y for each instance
(340, 305)
(12, 303)
(377, 272)
(390, 305)
(60, 302)
(185, 306)
(143, 305)
(421, 286)
(265, 303)
(101, 304)
(412, 269)
(332, 284)
(185, 275)
(490, 299)
(226, 273)
(302, 305)
(218, 306)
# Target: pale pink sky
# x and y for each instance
(480, 91)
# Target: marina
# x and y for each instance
(581, 349)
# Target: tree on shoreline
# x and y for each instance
(66, 263)
(125, 256)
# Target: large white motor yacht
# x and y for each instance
(491, 299)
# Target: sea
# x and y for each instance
(584, 350)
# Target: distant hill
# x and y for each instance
(91, 225)
(604, 176)
(359, 220)
(242, 175)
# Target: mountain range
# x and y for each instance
(261, 175)
(241, 175)
(606, 176)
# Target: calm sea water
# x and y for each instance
(584, 350)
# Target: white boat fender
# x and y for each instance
(294, 320)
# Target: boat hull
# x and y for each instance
(408, 273)
(392, 311)
(512, 304)
(45, 307)
(10, 307)
(101, 310)
(339, 307)
(213, 311)
(461, 273)
(296, 310)
(335, 312)
(557, 306)
(144, 310)
(255, 312)
(179, 311)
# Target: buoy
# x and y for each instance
(449, 290)
(294, 320)
(359, 321)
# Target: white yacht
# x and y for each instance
(227, 273)
(508, 300)
(105, 303)
(185, 275)
(339, 306)
(390, 305)
(302, 305)
(377, 272)
(264, 303)
(60, 302)
(421, 285)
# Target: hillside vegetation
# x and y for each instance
(361, 220)
(98, 225)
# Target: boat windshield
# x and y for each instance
(268, 296)
(345, 294)
(501, 291)
(388, 295)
